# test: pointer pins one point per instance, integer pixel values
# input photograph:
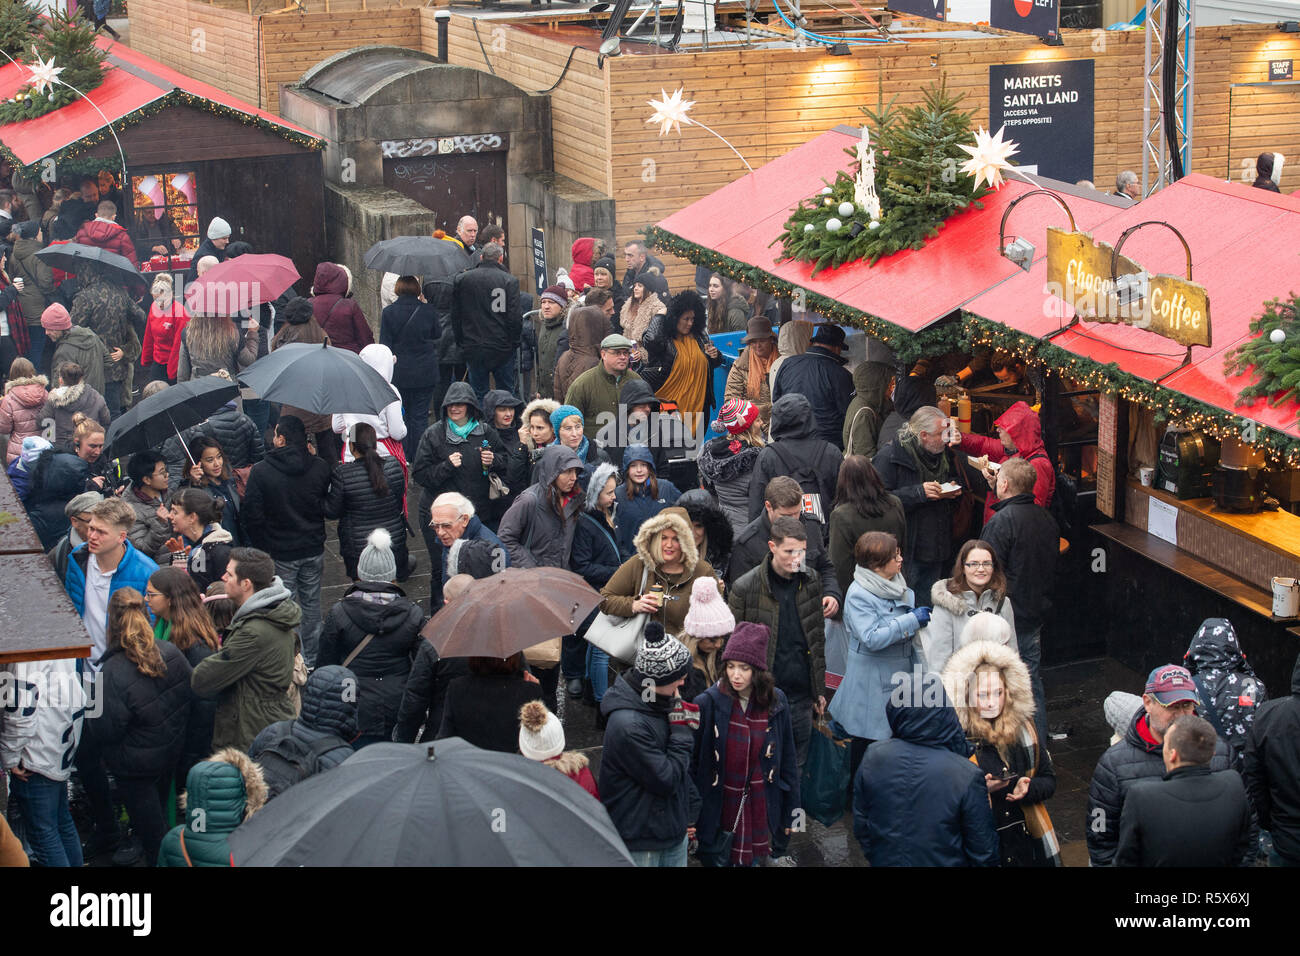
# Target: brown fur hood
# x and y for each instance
(679, 521)
(28, 390)
(570, 763)
(547, 405)
(1018, 704)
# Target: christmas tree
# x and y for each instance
(918, 183)
(64, 46)
(1274, 354)
(18, 24)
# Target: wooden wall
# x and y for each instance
(1262, 118)
(202, 40)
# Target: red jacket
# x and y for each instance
(1027, 432)
(110, 236)
(581, 272)
(162, 336)
(575, 766)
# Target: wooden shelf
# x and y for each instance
(1278, 530)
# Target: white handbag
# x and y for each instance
(620, 637)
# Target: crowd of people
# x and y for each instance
(819, 568)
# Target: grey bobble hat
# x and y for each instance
(661, 658)
(377, 564)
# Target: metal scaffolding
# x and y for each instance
(1157, 157)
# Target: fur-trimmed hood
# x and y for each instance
(717, 462)
(66, 395)
(570, 763)
(28, 391)
(1018, 701)
(677, 519)
(599, 475)
(215, 790)
(547, 405)
(964, 604)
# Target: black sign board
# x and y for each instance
(1279, 69)
(1047, 109)
(1037, 17)
(539, 260)
(930, 9)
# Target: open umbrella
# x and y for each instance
(426, 256)
(160, 416)
(241, 283)
(69, 255)
(319, 379)
(442, 804)
(510, 611)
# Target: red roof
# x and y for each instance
(132, 81)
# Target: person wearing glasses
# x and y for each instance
(977, 585)
(1170, 693)
(451, 519)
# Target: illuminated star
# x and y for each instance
(670, 112)
(44, 75)
(988, 157)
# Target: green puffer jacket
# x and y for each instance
(251, 674)
(751, 599)
(220, 794)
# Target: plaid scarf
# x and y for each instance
(743, 768)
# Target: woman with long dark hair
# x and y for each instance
(978, 583)
(367, 493)
(202, 541)
(728, 311)
(679, 358)
(641, 496)
(862, 504)
(211, 472)
(144, 684)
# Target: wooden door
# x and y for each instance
(453, 185)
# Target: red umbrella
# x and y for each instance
(238, 284)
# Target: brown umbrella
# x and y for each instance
(505, 613)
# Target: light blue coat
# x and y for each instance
(880, 646)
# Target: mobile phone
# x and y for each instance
(1008, 776)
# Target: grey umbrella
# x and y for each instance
(319, 379)
(442, 804)
(426, 256)
(159, 417)
(69, 255)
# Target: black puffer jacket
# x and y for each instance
(726, 474)
(381, 669)
(59, 476)
(1124, 764)
(329, 709)
(703, 509)
(818, 375)
(798, 452)
(483, 709)
(645, 770)
(203, 714)
(425, 694)
(409, 328)
(1272, 769)
(283, 511)
(359, 510)
(516, 476)
(433, 470)
(142, 728)
(237, 435)
(1190, 817)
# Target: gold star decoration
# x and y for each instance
(988, 157)
(670, 112)
(44, 75)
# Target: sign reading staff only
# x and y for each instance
(1079, 271)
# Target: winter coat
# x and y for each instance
(1271, 766)
(239, 352)
(795, 450)
(283, 509)
(867, 412)
(547, 405)
(240, 441)
(108, 236)
(949, 614)
(389, 423)
(581, 272)
(63, 403)
(709, 762)
(595, 553)
(426, 693)
(359, 510)
(381, 669)
(848, 524)
(476, 530)
(485, 314)
(410, 328)
(634, 319)
(433, 470)
(149, 534)
(483, 709)
(660, 344)
(587, 327)
(727, 474)
(651, 262)
(917, 799)
(625, 586)
(208, 558)
(203, 713)
(20, 411)
(57, 478)
(339, 316)
(206, 248)
(661, 432)
(552, 343)
(929, 523)
(82, 347)
(819, 376)
(228, 788)
(531, 531)
(329, 709)
(1226, 683)
(750, 548)
(631, 512)
(38, 280)
(645, 770)
(1026, 540)
(751, 599)
(577, 768)
(1189, 817)
(43, 717)
(141, 731)
(596, 394)
(106, 310)
(738, 386)
(133, 571)
(251, 674)
(793, 338)
(519, 464)
(162, 336)
(704, 511)
(880, 645)
(1132, 759)
(1022, 424)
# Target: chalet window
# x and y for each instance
(165, 207)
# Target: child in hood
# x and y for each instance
(20, 409)
(541, 738)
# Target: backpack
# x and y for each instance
(805, 472)
(286, 760)
(1064, 499)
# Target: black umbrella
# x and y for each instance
(163, 415)
(69, 255)
(442, 804)
(425, 256)
(319, 379)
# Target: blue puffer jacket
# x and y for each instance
(709, 761)
(917, 799)
(326, 710)
(880, 646)
(629, 513)
(133, 571)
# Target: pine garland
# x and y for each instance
(918, 182)
(1276, 364)
(70, 42)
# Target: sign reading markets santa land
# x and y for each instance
(1079, 271)
(1040, 18)
(1047, 109)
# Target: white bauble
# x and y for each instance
(874, 224)
(833, 225)
(809, 227)
(826, 190)
(1277, 336)
(846, 209)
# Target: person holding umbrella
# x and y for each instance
(211, 474)
(103, 306)
(300, 326)
(409, 327)
(483, 707)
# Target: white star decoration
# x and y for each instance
(670, 112)
(44, 75)
(988, 157)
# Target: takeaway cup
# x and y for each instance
(1146, 475)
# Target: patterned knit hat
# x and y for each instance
(748, 645)
(541, 735)
(709, 615)
(735, 416)
(661, 659)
